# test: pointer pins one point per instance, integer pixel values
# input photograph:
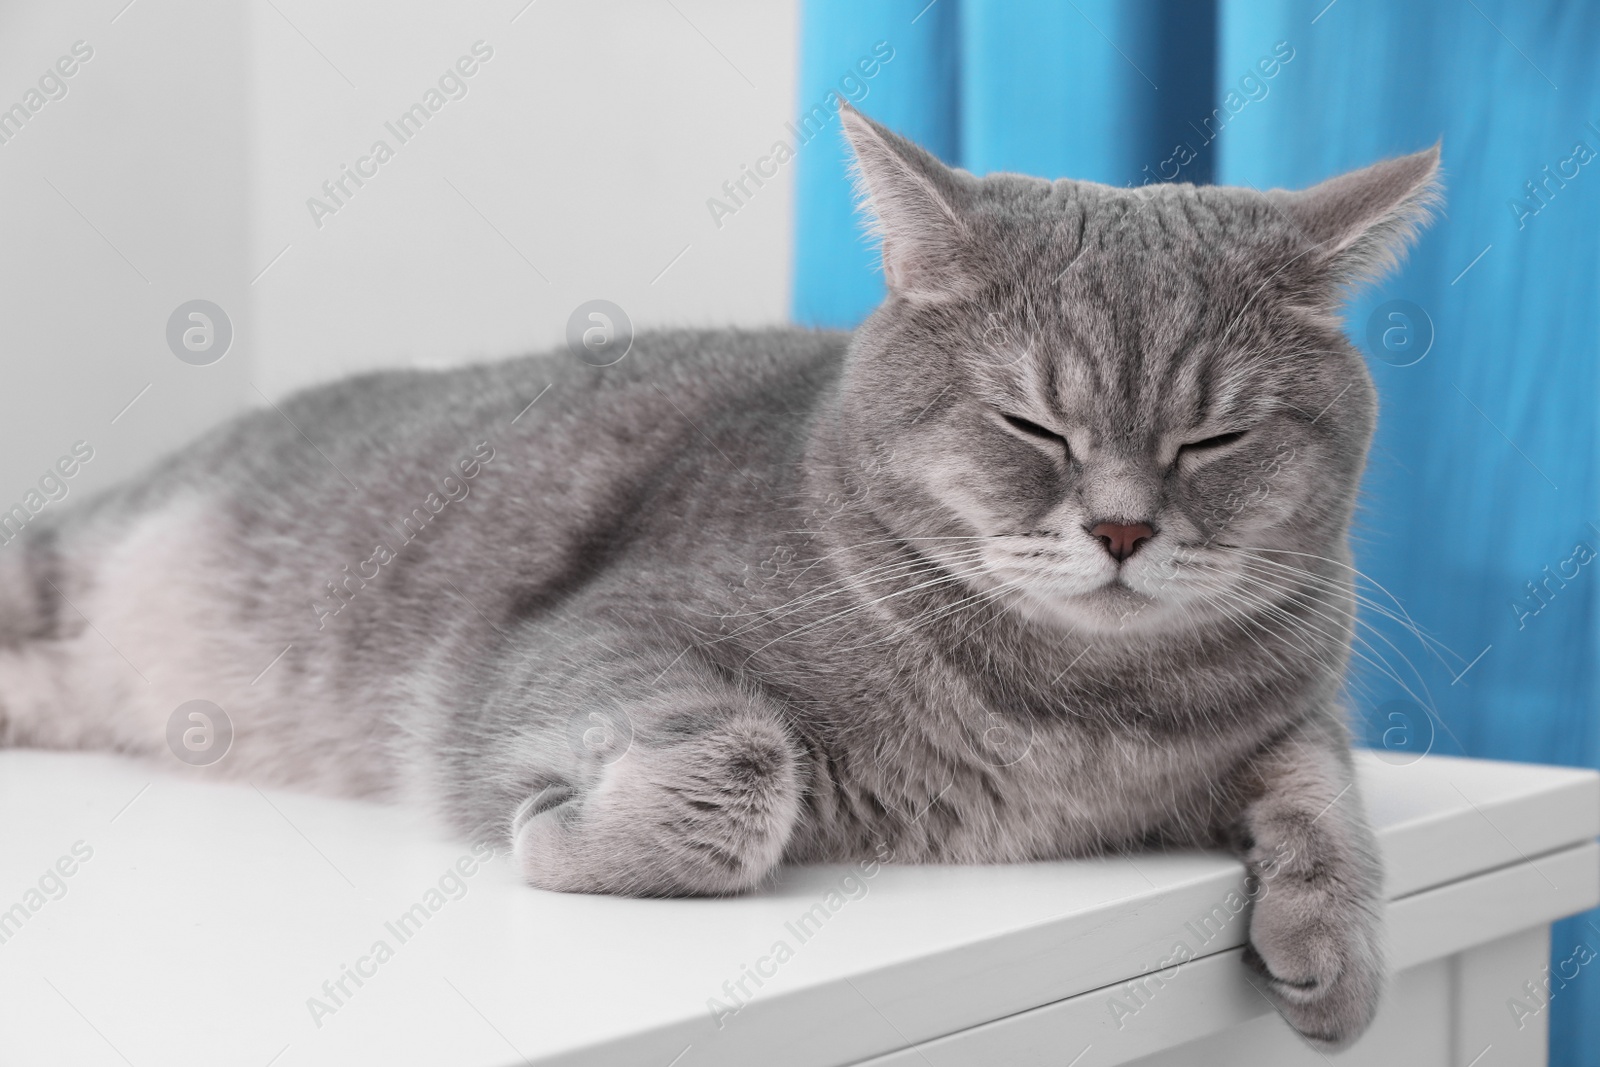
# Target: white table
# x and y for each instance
(207, 916)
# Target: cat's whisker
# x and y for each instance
(1360, 623)
(1304, 577)
(1248, 619)
(853, 583)
(845, 581)
(1403, 617)
(1376, 660)
(941, 580)
(944, 611)
(1273, 597)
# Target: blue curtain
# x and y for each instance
(1479, 528)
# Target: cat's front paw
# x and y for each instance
(1319, 960)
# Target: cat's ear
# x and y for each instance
(909, 199)
(1361, 223)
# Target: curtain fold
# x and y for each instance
(1478, 536)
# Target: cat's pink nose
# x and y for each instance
(1122, 539)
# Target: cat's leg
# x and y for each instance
(701, 798)
(1317, 923)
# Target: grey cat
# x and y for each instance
(1048, 558)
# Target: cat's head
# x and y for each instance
(1119, 408)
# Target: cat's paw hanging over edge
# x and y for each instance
(1319, 961)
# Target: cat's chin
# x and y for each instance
(1114, 607)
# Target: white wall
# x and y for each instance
(193, 138)
(590, 142)
(122, 200)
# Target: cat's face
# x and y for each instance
(1119, 409)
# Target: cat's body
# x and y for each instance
(751, 597)
(937, 730)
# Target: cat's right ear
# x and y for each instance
(909, 199)
(1360, 223)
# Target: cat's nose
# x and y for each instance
(1121, 539)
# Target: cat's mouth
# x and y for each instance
(1115, 604)
(1119, 589)
(1083, 590)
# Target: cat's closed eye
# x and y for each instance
(1210, 444)
(1033, 429)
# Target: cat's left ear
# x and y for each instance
(1360, 224)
